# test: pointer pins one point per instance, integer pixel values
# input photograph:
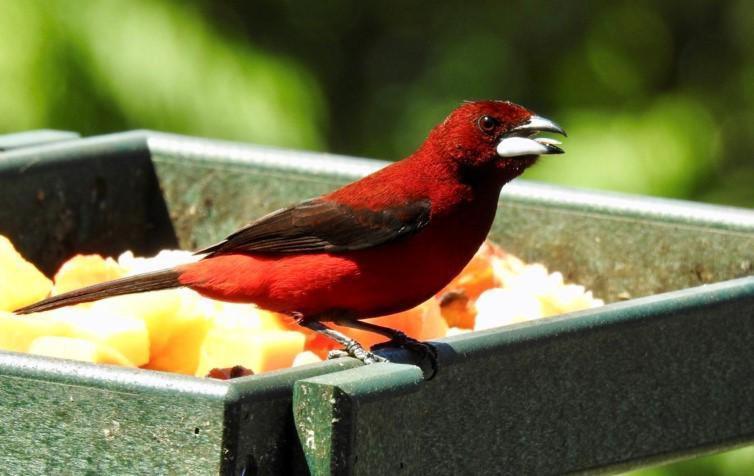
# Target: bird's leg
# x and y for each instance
(397, 339)
(352, 348)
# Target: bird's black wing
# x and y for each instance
(324, 226)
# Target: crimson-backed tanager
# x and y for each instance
(380, 245)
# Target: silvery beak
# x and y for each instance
(520, 140)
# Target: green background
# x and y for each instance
(657, 97)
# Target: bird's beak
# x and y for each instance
(520, 140)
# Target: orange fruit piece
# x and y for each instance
(457, 309)
(423, 322)
(478, 275)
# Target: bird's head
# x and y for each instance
(495, 136)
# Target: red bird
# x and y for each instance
(377, 246)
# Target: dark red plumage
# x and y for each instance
(379, 245)
(456, 171)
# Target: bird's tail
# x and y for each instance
(129, 285)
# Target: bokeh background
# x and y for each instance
(657, 97)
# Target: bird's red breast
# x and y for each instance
(369, 282)
(379, 245)
(384, 243)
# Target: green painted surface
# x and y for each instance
(37, 137)
(327, 410)
(631, 248)
(634, 382)
(67, 417)
(601, 390)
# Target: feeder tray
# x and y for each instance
(663, 371)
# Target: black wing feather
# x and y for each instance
(324, 226)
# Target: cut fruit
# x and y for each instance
(181, 351)
(18, 332)
(78, 349)
(125, 334)
(241, 340)
(305, 358)
(500, 307)
(162, 313)
(85, 270)
(21, 283)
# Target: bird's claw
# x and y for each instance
(357, 352)
(424, 349)
(336, 354)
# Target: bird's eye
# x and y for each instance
(487, 124)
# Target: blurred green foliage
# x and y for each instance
(96, 66)
(658, 97)
(733, 463)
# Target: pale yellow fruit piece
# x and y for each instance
(163, 260)
(568, 298)
(85, 270)
(238, 326)
(259, 351)
(306, 357)
(555, 296)
(181, 351)
(77, 349)
(126, 334)
(177, 321)
(533, 278)
(18, 332)
(506, 268)
(21, 283)
(160, 311)
(499, 307)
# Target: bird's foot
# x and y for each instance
(356, 351)
(424, 349)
